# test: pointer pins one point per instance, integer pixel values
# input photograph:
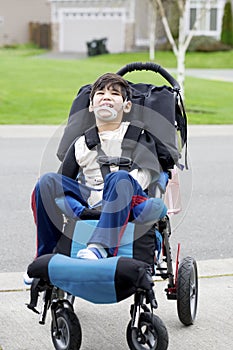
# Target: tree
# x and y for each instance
(179, 48)
(227, 25)
(152, 31)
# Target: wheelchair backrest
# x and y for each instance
(160, 108)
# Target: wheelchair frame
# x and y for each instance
(144, 324)
(145, 328)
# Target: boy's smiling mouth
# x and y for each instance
(106, 105)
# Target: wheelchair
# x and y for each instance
(144, 252)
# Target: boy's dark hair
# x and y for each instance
(111, 79)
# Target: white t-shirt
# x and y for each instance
(111, 145)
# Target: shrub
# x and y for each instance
(227, 25)
(204, 43)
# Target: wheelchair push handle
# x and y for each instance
(138, 66)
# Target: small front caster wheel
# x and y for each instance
(68, 336)
(150, 334)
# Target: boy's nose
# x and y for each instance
(106, 95)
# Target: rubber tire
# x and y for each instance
(187, 291)
(69, 325)
(157, 329)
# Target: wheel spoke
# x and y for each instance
(147, 337)
(151, 337)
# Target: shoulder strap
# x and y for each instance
(92, 137)
(93, 143)
(128, 144)
(131, 137)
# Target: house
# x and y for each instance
(210, 21)
(74, 23)
(15, 16)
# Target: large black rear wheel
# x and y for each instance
(69, 333)
(150, 334)
(187, 291)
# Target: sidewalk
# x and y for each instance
(48, 131)
(104, 325)
(210, 74)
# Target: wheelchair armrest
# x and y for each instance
(158, 188)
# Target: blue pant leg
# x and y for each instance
(119, 188)
(49, 219)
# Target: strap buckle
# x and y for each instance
(118, 161)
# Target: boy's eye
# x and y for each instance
(114, 93)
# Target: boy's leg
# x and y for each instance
(121, 193)
(148, 212)
(48, 217)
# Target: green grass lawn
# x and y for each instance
(35, 90)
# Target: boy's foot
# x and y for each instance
(89, 253)
(27, 280)
(92, 253)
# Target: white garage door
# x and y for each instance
(79, 26)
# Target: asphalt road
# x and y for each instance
(204, 229)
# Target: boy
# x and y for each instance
(120, 193)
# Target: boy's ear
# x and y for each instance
(127, 105)
(91, 106)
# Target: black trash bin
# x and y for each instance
(97, 47)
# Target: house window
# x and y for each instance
(193, 16)
(213, 19)
(206, 17)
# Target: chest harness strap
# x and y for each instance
(128, 145)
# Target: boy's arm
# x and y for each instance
(69, 166)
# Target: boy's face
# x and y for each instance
(111, 97)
